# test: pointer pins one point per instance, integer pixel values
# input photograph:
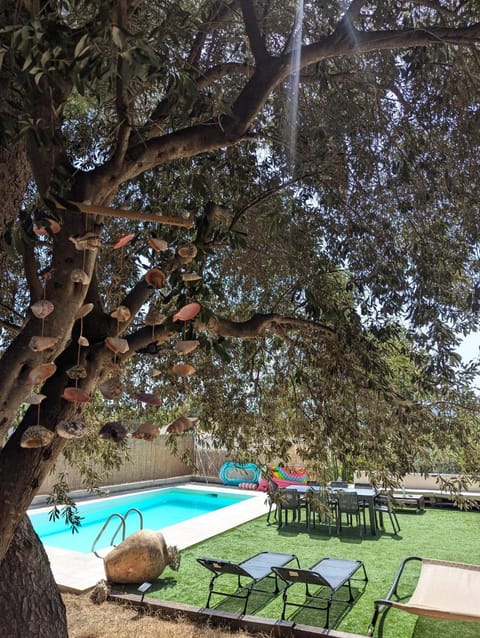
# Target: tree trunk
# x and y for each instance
(30, 602)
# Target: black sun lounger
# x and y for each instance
(329, 574)
(254, 569)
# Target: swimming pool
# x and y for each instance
(160, 508)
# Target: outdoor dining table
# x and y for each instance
(364, 493)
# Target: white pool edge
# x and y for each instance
(78, 572)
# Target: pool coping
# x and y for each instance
(77, 572)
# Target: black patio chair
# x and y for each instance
(248, 572)
(329, 575)
(383, 505)
(349, 504)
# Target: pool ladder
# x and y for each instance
(121, 526)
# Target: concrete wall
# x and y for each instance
(421, 482)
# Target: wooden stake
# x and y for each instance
(128, 214)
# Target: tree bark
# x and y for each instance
(30, 602)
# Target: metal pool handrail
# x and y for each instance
(121, 526)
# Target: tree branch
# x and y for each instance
(257, 43)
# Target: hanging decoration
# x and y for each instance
(190, 277)
(113, 431)
(158, 245)
(155, 278)
(190, 311)
(40, 373)
(111, 388)
(75, 395)
(36, 436)
(71, 429)
(183, 369)
(185, 346)
(39, 344)
(123, 241)
(182, 424)
(146, 432)
(148, 398)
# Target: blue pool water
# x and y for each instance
(159, 509)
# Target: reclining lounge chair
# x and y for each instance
(254, 569)
(444, 590)
(329, 575)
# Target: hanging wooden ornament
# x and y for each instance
(75, 395)
(71, 429)
(84, 310)
(117, 345)
(40, 373)
(123, 241)
(191, 277)
(87, 241)
(183, 369)
(79, 276)
(185, 346)
(158, 245)
(42, 308)
(190, 311)
(121, 314)
(148, 398)
(39, 344)
(111, 388)
(146, 432)
(36, 436)
(182, 424)
(113, 431)
(155, 278)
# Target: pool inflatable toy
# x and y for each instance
(239, 473)
(283, 475)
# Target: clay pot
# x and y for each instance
(146, 432)
(158, 245)
(39, 344)
(183, 369)
(84, 310)
(79, 276)
(117, 345)
(187, 312)
(73, 429)
(122, 313)
(36, 436)
(111, 389)
(146, 397)
(42, 308)
(187, 346)
(75, 395)
(40, 373)
(113, 431)
(155, 278)
(123, 241)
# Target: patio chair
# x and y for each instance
(254, 569)
(444, 590)
(319, 508)
(348, 503)
(329, 575)
(383, 505)
(289, 500)
(272, 500)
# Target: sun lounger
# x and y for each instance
(254, 569)
(444, 590)
(329, 575)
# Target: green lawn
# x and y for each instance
(444, 534)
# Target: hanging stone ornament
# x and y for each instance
(185, 346)
(148, 398)
(158, 245)
(183, 369)
(84, 310)
(83, 341)
(113, 431)
(42, 308)
(71, 429)
(39, 344)
(154, 318)
(182, 424)
(34, 399)
(155, 278)
(75, 395)
(121, 314)
(79, 276)
(191, 277)
(77, 372)
(112, 388)
(123, 241)
(117, 345)
(146, 432)
(87, 241)
(40, 373)
(190, 311)
(187, 252)
(36, 436)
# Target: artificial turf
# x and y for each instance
(435, 533)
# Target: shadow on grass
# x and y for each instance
(256, 601)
